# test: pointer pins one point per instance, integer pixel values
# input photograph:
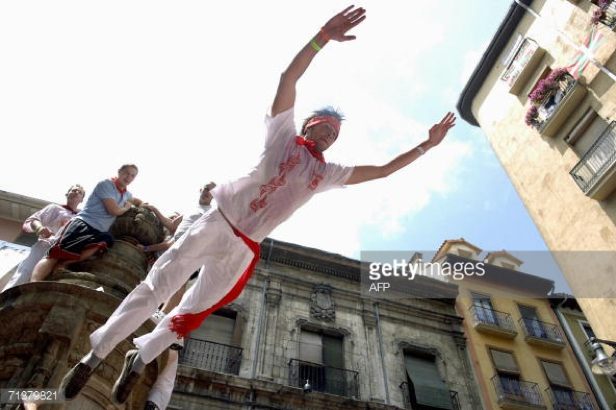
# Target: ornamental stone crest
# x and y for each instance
(322, 305)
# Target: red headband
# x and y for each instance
(333, 121)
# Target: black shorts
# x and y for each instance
(76, 237)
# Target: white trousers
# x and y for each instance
(23, 274)
(209, 242)
(160, 393)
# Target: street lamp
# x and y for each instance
(308, 388)
(602, 363)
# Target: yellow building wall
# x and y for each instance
(539, 166)
(526, 355)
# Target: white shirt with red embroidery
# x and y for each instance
(286, 177)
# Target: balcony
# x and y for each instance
(556, 108)
(453, 397)
(540, 333)
(326, 379)
(566, 399)
(595, 174)
(493, 322)
(606, 14)
(516, 394)
(215, 357)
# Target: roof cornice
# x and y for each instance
(496, 46)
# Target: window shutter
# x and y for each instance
(555, 373)
(311, 347)
(426, 382)
(332, 351)
(215, 328)
(504, 361)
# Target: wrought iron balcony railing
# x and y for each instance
(599, 159)
(515, 391)
(541, 330)
(326, 379)
(216, 357)
(567, 399)
(492, 317)
(406, 394)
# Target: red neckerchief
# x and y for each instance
(68, 208)
(311, 147)
(115, 182)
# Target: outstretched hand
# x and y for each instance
(337, 27)
(439, 130)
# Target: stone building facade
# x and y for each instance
(300, 336)
(548, 111)
(302, 319)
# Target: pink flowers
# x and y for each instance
(545, 88)
(597, 15)
(548, 85)
(531, 116)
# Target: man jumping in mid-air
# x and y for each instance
(225, 240)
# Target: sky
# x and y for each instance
(181, 90)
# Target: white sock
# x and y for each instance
(138, 365)
(91, 360)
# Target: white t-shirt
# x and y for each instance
(286, 177)
(53, 216)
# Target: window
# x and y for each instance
(322, 361)
(559, 383)
(218, 328)
(508, 372)
(483, 309)
(426, 387)
(212, 346)
(586, 132)
(534, 327)
(587, 330)
(520, 63)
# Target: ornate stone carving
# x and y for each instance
(47, 324)
(322, 304)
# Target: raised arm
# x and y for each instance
(335, 29)
(436, 134)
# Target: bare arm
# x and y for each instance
(170, 224)
(135, 201)
(334, 29)
(157, 247)
(114, 209)
(436, 134)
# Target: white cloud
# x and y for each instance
(470, 61)
(181, 90)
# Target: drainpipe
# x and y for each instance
(380, 336)
(581, 48)
(255, 352)
(581, 358)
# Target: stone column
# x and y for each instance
(271, 347)
(373, 383)
(46, 325)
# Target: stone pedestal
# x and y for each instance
(46, 325)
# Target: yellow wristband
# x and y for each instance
(315, 46)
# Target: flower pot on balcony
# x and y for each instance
(557, 108)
